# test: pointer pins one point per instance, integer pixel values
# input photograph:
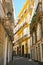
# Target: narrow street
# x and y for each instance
(22, 61)
(21, 32)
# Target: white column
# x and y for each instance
(41, 51)
(5, 51)
(8, 51)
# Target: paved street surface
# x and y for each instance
(22, 61)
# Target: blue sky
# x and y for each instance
(18, 6)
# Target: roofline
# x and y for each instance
(22, 9)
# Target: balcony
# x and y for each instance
(8, 27)
(6, 21)
(39, 10)
(7, 6)
(21, 26)
(10, 33)
(24, 38)
(33, 23)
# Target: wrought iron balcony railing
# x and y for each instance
(32, 28)
(22, 39)
(20, 28)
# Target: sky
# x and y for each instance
(18, 4)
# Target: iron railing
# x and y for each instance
(20, 27)
(22, 38)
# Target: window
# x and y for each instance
(40, 6)
(25, 11)
(39, 32)
(31, 40)
(39, 54)
(42, 28)
(22, 16)
(42, 50)
(33, 37)
(25, 31)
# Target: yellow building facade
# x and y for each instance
(22, 30)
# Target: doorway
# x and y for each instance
(22, 50)
(37, 53)
(17, 50)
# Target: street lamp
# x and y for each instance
(9, 15)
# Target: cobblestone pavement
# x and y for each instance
(22, 61)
